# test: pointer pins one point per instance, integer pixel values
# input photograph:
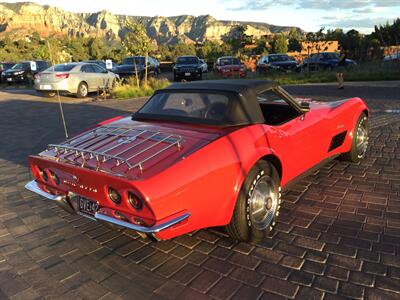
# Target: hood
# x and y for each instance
(232, 67)
(187, 65)
(133, 149)
(13, 71)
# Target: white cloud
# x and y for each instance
(316, 4)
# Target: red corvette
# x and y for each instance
(197, 155)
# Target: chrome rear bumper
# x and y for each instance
(66, 204)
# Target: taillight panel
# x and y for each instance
(62, 76)
(134, 200)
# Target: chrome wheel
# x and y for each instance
(83, 90)
(263, 204)
(362, 138)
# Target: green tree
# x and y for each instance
(237, 39)
(137, 42)
(279, 44)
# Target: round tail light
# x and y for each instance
(54, 177)
(135, 201)
(114, 196)
(43, 174)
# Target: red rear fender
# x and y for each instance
(90, 184)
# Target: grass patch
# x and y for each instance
(130, 90)
(363, 72)
(366, 72)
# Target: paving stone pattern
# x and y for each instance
(338, 234)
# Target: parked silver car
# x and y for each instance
(74, 78)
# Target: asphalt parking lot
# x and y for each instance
(338, 234)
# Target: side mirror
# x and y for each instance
(305, 106)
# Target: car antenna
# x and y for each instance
(58, 96)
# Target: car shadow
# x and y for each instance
(27, 127)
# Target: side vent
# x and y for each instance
(337, 140)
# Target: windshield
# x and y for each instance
(229, 61)
(6, 66)
(330, 55)
(276, 58)
(191, 107)
(133, 60)
(24, 65)
(62, 68)
(187, 60)
(97, 62)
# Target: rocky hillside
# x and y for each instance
(23, 18)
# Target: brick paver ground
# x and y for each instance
(338, 234)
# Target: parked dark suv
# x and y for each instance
(136, 64)
(22, 72)
(188, 68)
(281, 62)
(5, 66)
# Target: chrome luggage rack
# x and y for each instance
(93, 145)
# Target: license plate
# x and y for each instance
(187, 74)
(9, 79)
(87, 206)
(45, 87)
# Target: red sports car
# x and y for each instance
(197, 155)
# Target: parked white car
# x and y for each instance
(74, 78)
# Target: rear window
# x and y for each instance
(63, 67)
(203, 108)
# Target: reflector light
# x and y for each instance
(114, 196)
(54, 177)
(43, 174)
(135, 201)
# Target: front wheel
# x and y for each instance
(257, 206)
(359, 143)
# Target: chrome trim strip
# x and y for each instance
(33, 187)
(153, 229)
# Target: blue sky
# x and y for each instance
(309, 15)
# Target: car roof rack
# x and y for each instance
(109, 144)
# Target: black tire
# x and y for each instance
(201, 76)
(49, 94)
(81, 90)
(243, 225)
(360, 140)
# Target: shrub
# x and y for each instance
(130, 90)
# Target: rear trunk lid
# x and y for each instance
(132, 149)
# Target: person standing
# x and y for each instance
(341, 67)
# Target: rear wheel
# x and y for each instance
(49, 94)
(257, 205)
(82, 90)
(360, 140)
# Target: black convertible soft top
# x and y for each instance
(246, 109)
(234, 85)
